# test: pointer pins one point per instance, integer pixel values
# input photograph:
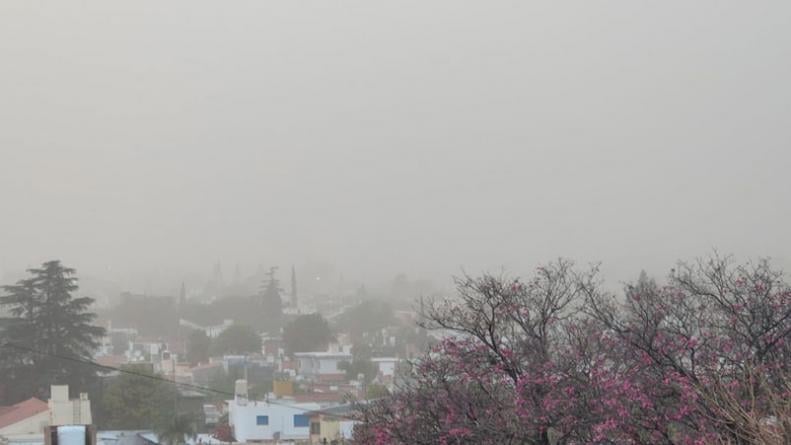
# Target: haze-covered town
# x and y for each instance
(407, 223)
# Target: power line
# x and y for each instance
(158, 378)
(113, 368)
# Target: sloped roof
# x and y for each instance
(10, 415)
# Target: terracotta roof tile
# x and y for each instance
(10, 415)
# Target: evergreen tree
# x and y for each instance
(198, 344)
(367, 318)
(175, 430)
(361, 364)
(136, 400)
(51, 333)
(307, 333)
(237, 339)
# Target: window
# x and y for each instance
(262, 420)
(315, 428)
(301, 420)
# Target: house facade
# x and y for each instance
(386, 366)
(261, 421)
(322, 365)
(332, 425)
(33, 415)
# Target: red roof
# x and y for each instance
(10, 415)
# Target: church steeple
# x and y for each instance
(271, 303)
(217, 274)
(293, 287)
(237, 275)
(270, 288)
(182, 295)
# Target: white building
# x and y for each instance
(63, 411)
(386, 366)
(321, 364)
(262, 421)
(25, 421)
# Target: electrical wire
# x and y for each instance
(199, 388)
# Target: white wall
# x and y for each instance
(63, 411)
(281, 419)
(316, 365)
(386, 367)
(306, 366)
(328, 366)
(346, 428)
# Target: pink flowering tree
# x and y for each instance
(522, 364)
(555, 360)
(709, 336)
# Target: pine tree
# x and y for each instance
(52, 332)
(176, 430)
(198, 344)
(136, 399)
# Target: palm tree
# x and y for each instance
(176, 431)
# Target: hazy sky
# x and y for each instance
(411, 136)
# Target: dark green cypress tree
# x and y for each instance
(51, 332)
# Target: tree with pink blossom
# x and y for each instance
(556, 360)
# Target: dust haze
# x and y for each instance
(143, 143)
